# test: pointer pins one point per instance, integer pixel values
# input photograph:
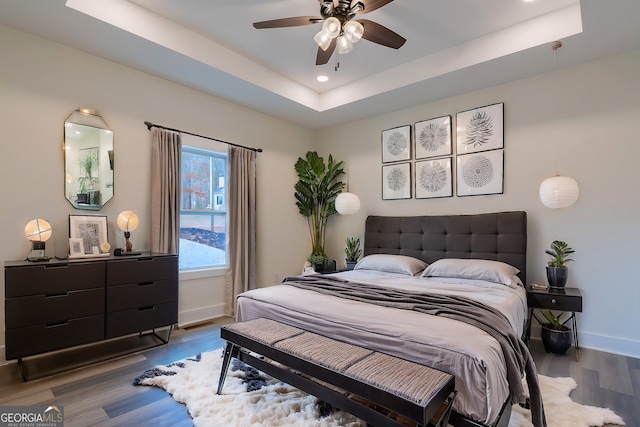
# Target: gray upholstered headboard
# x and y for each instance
(500, 236)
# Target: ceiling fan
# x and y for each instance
(338, 27)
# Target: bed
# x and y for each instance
(481, 257)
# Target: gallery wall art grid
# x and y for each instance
(418, 160)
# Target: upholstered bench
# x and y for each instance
(380, 389)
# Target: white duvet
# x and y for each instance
(471, 355)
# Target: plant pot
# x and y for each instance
(351, 264)
(557, 276)
(328, 266)
(556, 341)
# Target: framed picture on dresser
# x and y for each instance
(91, 229)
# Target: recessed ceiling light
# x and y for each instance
(322, 78)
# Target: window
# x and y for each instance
(203, 211)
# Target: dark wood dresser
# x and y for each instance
(58, 304)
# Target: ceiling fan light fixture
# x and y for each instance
(332, 27)
(353, 30)
(323, 40)
(344, 45)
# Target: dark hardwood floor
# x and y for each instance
(102, 394)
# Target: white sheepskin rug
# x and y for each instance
(252, 399)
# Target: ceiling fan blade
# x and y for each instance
(324, 56)
(377, 33)
(287, 22)
(371, 5)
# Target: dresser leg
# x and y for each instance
(21, 369)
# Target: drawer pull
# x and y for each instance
(55, 325)
(58, 295)
(553, 301)
(141, 259)
(145, 283)
(151, 307)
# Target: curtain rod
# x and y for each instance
(150, 125)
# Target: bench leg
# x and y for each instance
(231, 350)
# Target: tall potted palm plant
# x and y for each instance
(316, 191)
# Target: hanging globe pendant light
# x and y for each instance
(347, 203)
(559, 192)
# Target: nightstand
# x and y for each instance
(565, 299)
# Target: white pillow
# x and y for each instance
(392, 264)
(479, 269)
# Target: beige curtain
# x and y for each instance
(166, 156)
(242, 225)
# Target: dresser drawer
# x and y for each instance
(53, 308)
(42, 279)
(141, 319)
(125, 297)
(554, 301)
(146, 269)
(42, 338)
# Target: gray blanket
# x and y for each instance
(517, 356)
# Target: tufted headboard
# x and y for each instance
(500, 236)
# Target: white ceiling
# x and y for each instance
(453, 47)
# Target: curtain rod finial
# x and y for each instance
(148, 124)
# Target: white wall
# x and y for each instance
(584, 120)
(42, 82)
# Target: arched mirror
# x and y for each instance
(88, 160)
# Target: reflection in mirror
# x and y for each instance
(88, 160)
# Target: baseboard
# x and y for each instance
(614, 345)
(607, 344)
(4, 361)
(191, 317)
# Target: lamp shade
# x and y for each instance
(37, 230)
(332, 27)
(347, 203)
(127, 221)
(323, 40)
(559, 192)
(344, 45)
(353, 30)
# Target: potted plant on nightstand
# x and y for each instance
(556, 337)
(557, 271)
(352, 252)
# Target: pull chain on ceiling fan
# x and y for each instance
(338, 27)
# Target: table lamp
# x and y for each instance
(37, 231)
(127, 222)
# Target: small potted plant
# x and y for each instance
(556, 337)
(352, 252)
(557, 271)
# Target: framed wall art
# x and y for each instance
(396, 144)
(480, 129)
(480, 173)
(92, 230)
(396, 181)
(433, 138)
(433, 179)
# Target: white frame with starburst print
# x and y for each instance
(433, 178)
(480, 129)
(396, 144)
(480, 174)
(432, 138)
(396, 181)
